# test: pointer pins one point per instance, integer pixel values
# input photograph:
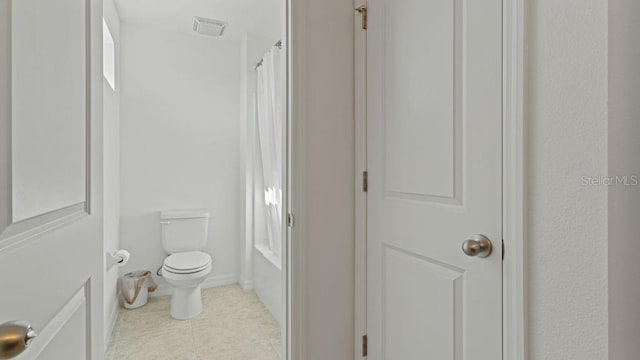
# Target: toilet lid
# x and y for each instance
(190, 260)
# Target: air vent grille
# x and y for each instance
(208, 27)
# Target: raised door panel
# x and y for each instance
(70, 342)
(65, 334)
(49, 106)
(422, 307)
(421, 98)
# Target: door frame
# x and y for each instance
(513, 181)
(295, 198)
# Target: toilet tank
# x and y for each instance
(184, 230)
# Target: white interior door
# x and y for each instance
(51, 260)
(434, 155)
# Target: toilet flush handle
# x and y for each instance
(165, 222)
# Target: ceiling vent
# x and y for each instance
(208, 27)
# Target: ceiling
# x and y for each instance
(260, 17)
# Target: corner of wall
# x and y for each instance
(623, 165)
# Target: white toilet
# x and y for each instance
(184, 236)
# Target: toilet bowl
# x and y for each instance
(185, 271)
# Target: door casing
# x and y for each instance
(513, 174)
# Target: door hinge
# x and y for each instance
(364, 345)
(365, 181)
(502, 249)
(362, 9)
(290, 220)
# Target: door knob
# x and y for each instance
(477, 245)
(15, 337)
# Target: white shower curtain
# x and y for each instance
(271, 120)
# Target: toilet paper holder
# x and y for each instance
(119, 258)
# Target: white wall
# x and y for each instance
(624, 201)
(179, 136)
(325, 153)
(566, 221)
(111, 164)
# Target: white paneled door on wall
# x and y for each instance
(51, 260)
(434, 160)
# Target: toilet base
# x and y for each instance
(186, 303)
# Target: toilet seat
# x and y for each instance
(189, 262)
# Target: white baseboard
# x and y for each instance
(212, 281)
(246, 285)
(111, 322)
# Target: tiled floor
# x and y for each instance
(234, 325)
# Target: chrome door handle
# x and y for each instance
(15, 337)
(477, 245)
